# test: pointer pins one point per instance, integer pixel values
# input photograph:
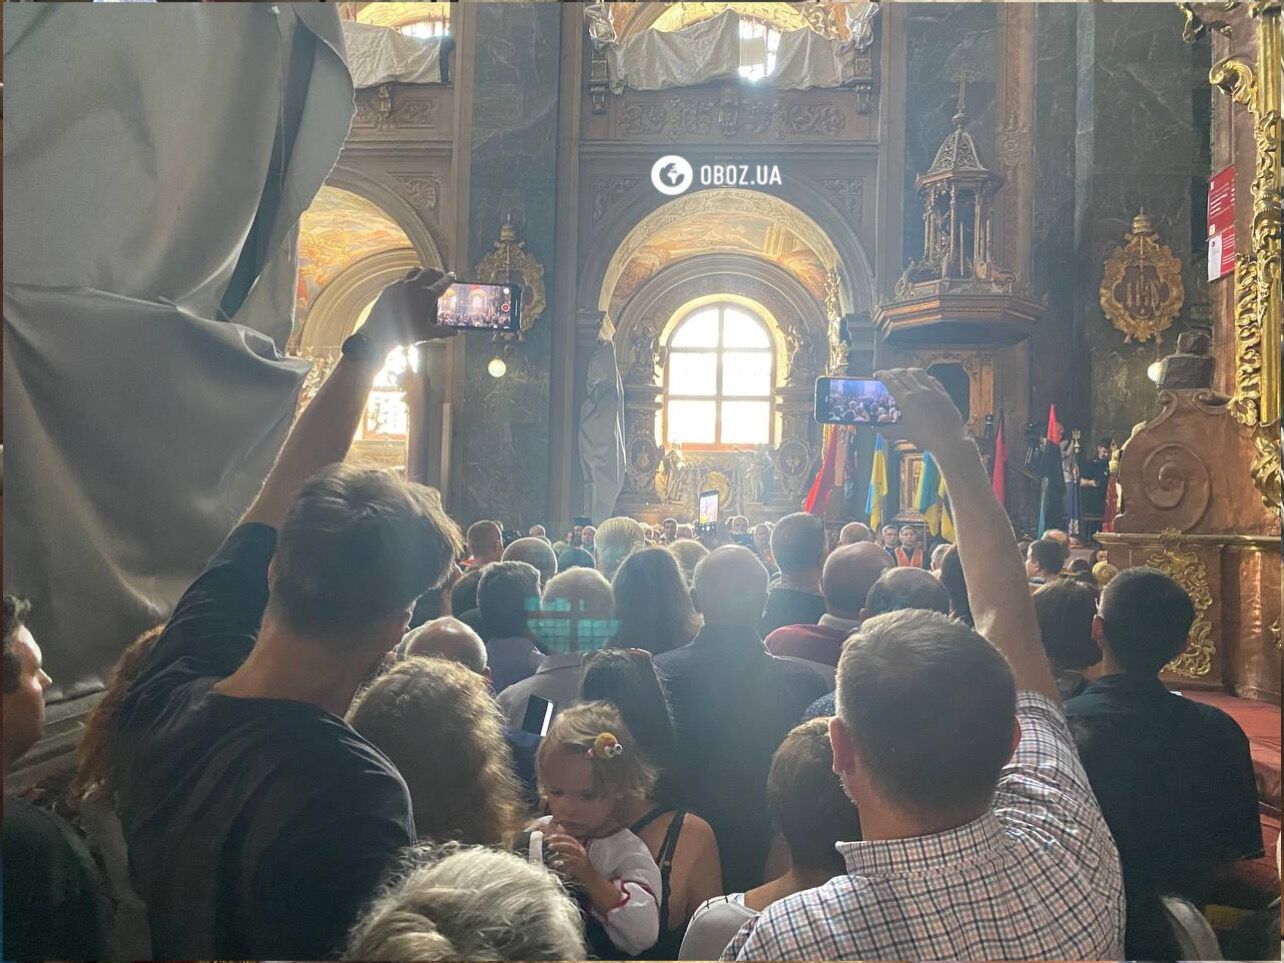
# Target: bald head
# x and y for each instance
(730, 587)
(537, 531)
(907, 588)
(853, 533)
(850, 572)
(449, 639)
(537, 552)
(1058, 536)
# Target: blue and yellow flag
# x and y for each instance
(877, 485)
(933, 499)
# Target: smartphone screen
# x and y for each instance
(486, 307)
(707, 517)
(539, 713)
(854, 401)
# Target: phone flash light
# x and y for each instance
(497, 368)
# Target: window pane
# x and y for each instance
(692, 421)
(698, 331)
(746, 373)
(746, 422)
(693, 374)
(742, 331)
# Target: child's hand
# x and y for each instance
(568, 857)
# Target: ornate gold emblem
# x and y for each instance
(719, 482)
(1141, 291)
(1186, 569)
(510, 263)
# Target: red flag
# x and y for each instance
(1054, 430)
(820, 488)
(999, 480)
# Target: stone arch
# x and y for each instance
(334, 314)
(788, 307)
(384, 196)
(802, 207)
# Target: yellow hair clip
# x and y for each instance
(605, 746)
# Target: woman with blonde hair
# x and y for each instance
(437, 723)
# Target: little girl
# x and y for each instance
(588, 765)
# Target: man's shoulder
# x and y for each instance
(821, 923)
(40, 843)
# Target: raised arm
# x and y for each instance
(404, 314)
(997, 590)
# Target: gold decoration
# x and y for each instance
(1142, 291)
(781, 16)
(1259, 301)
(719, 482)
(509, 263)
(1275, 631)
(1186, 569)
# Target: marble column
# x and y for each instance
(1141, 141)
(502, 424)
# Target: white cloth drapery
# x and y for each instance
(157, 159)
(380, 55)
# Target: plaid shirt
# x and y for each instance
(1037, 877)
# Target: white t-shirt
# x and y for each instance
(623, 858)
(713, 925)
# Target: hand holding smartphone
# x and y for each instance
(482, 307)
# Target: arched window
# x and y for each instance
(425, 29)
(387, 416)
(718, 379)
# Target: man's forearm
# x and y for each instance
(998, 593)
(321, 436)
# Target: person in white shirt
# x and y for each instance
(575, 621)
(588, 766)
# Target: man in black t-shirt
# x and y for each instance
(258, 822)
(1174, 777)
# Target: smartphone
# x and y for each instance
(484, 307)
(707, 513)
(854, 401)
(539, 713)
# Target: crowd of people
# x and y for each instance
(365, 734)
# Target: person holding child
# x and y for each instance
(589, 766)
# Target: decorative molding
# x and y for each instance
(1246, 403)
(730, 113)
(849, 192)
(1141, 287)
(607, 192)
(422, 190)
(393, 106)
(1188, 571)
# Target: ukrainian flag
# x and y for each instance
(933, 499)
(877, 485)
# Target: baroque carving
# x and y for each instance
(1175, 476)
(1188, 571)
(850, 193)
(697, 116)
(387, 107)
(510, 262)
(1141, 290)
(423, 191)
(608, 190)
(1246, 404)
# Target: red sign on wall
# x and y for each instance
(1221, 224)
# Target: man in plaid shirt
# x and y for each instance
(982, 838)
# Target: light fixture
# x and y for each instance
(1154, 370)
(497, 368)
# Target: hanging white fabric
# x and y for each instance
(712, 50)
(157, 159)
(379, 55)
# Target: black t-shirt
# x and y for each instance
(257, 828)
(52, 907)
(1175, 781)
(786, 606)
